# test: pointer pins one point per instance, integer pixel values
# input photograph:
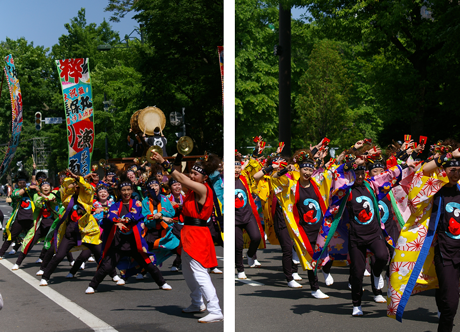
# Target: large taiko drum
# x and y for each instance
(147, 119)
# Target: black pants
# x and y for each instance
(372, 262)
(68, 242)
(18, 227)
(286, 247)
(447, 295)
(177, 262)
(83, 257)
(47, 255)
(113, 257)
(41, 232)
(254, 234)
(358, 265)
(313, 279)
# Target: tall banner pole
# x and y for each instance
(16, 115)
(78, 105)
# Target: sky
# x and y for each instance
(42, 21)
(297, 12)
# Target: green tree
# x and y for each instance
(257, 69)
(412, 54)
(322, 105)
(179, 64)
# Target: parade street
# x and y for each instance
(265, 303)
(63, 305)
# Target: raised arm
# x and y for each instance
(438, 161)
(199, 188)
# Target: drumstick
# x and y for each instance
(33, 160)
(161, 132)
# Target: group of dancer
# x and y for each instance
(127, 222)
(400, 214)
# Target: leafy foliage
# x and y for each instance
(411, 50)
(325, 88)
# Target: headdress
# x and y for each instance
(304, 161)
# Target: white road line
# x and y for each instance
(85, 316)
(249, 282)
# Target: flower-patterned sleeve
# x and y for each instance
(318, 175)
(283, 186)
(98, 216)
(248, 172)
(424, 187)
(136, 212)
(382, 183)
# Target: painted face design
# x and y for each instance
(240, 198)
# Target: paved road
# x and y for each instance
(273, 307)
(138, 306)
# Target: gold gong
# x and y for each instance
(150, 152)
(185, 145)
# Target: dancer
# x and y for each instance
(47, 252)
(21, 219)
(290, 268)
(100, 210)
(436, 215)
(123, 237)
(177, 200)
(198, 252)
(365, 227)
(158, 213)
(77, 226)
(246, 218)
(306, 195)
(44, 215)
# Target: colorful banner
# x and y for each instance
(220, 49)
(78, 105)
(16, 106)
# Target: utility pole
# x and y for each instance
(284, 112)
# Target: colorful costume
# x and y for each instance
(159, 236)
(127, 242)
(412, 269)
(77, 229)
(44, 215)
(21, 219)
